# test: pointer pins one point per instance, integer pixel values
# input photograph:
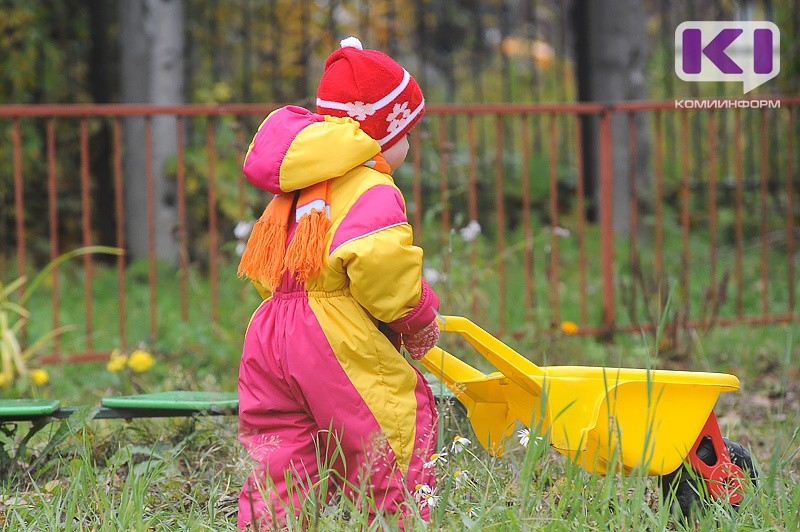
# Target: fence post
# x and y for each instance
(606, 223)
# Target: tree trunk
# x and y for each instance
(101, 85)
(611, 53)
(152, 46)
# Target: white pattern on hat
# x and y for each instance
(383, 102)
(398, 115)
(397, 126)
(360, 110)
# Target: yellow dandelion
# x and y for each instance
(141, 361)
(569, 327)
(117, 364)
(40, 377)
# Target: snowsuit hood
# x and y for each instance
(295, 148)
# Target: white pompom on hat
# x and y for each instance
(352, 42)
(371, 88)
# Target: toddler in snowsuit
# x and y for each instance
(321, 372)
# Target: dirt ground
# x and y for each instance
(764, 416)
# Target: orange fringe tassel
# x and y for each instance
(263, 258)
(306, 252)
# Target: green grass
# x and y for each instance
(185, 475)
(161, 475)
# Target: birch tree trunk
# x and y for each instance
(152, 70)
(611, 53)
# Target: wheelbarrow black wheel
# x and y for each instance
(680, 488)
(680, 492)
(741, 457)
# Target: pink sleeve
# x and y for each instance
(421, 315)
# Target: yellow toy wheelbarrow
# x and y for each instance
(601, 418)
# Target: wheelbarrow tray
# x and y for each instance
(601, 418)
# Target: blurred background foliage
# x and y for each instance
(273, 51)
(462, 52)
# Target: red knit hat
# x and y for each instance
(371, 88)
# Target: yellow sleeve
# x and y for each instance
(385, 273)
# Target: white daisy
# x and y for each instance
(420, 491)
(473, 511)
(243, 229)
(471, 231)
(436, 458)
(240, 247)
(460, 478)
(459, 443)
(429, 499)
(433, 276)
(524, 436)
(563, 232)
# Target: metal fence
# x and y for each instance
(698, 205)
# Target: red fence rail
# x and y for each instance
(709, 202)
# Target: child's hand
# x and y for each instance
(420, 343)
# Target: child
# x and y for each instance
(321, 372)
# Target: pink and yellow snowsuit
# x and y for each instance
(315, 357)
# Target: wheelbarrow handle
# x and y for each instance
(513, 365)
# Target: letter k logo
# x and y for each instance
(714, 51)
(748, 52)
